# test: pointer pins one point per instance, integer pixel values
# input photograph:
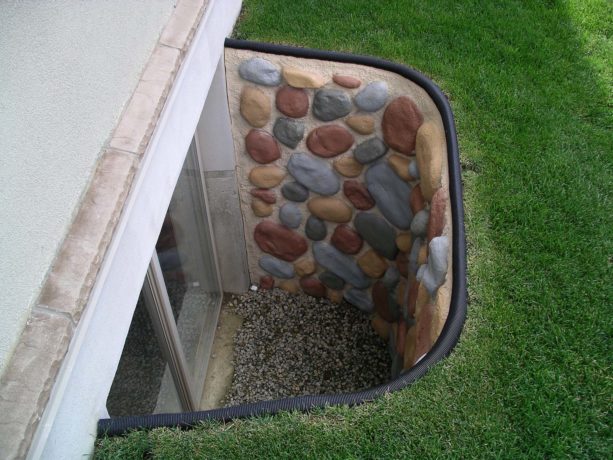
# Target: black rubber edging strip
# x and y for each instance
(457, 310)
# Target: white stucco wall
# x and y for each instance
(67, 68)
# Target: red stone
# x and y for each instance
(402, 263)
(423, 341)
(293, 102)
(261, 146)
(329, 140)
(358, 194)
(380, 297)
(347, 81)
(267, 282)
(401, 120)
(401, 337)
(267, 196)
(436, 223)
(412, 300)
(346, 239)
(313, 287)
(279, 241)
(416, 199)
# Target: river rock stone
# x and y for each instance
(346, 81)
(340, 264)
(378, 233)
(335, 296)
(430, 149)
(292, 102)
(413, 170)
(401, 335)
(433, 274)
(404, 242)
(346, 239)
(409, 348)
(381, 299)
(299, 78)
(290, 215)
(267, 196)
(313, 287)
(372, 97)
(279, 241)
(266, 176)
(360, 299)
(402, 264)
(414, 254)
(261, 146)
(400, 165)
(370, 150)
(260, 71)
(267, 282)
(436, 224)
(293, 191)
(260, 208)
(381, 326)
(400, 123)
(289, 131)
(362, 124)
(331, 280)
(255, 106)
(315, 228)
(419, 224)
(390, 193)
(348, 167)
(276, 267)
(330, 104)
(314, 174)
(358, 194)
(290, 286)
(391, 278)
(412, 299)
(330, 209)
(423, 298)
(372, 264)
(329, 140)
(305, 267)
(424, 339)
(416, 199)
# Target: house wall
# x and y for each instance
(66, 70)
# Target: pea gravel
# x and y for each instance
(292, 345)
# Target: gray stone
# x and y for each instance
(290, 215)
(330, 104)
(414, 170)
(331, 280)
(361, 299)
(260, 71)
(370, 150)
(391, 277)
(419, 224)
(340, 264)
(314, 174)
(372, 97)
(276, 267)
(288, 131)
(433, 274)
(391, 194)
(293, 191)
(414, 255)
(378, 233)
(315, 228)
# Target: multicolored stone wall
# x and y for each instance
(343, 181)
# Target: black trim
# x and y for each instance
(457, 310)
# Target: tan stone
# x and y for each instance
(400, 165)
(372, 264)
(401, 292)
(305, 267)
(423, 298)
(362, 124)
(409, 348)
(255, 106)
(335, 296)
(302, 79)
(290, 286)
(348, 167)
(381, 327)
(266, 176)
(443, 301)
(430, 149)
(404, 242)
(330, 209)
(422, 256)
(260, 208)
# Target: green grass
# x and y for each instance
(530, 83)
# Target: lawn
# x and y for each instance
(531, 84)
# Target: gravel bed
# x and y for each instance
(292, 345)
